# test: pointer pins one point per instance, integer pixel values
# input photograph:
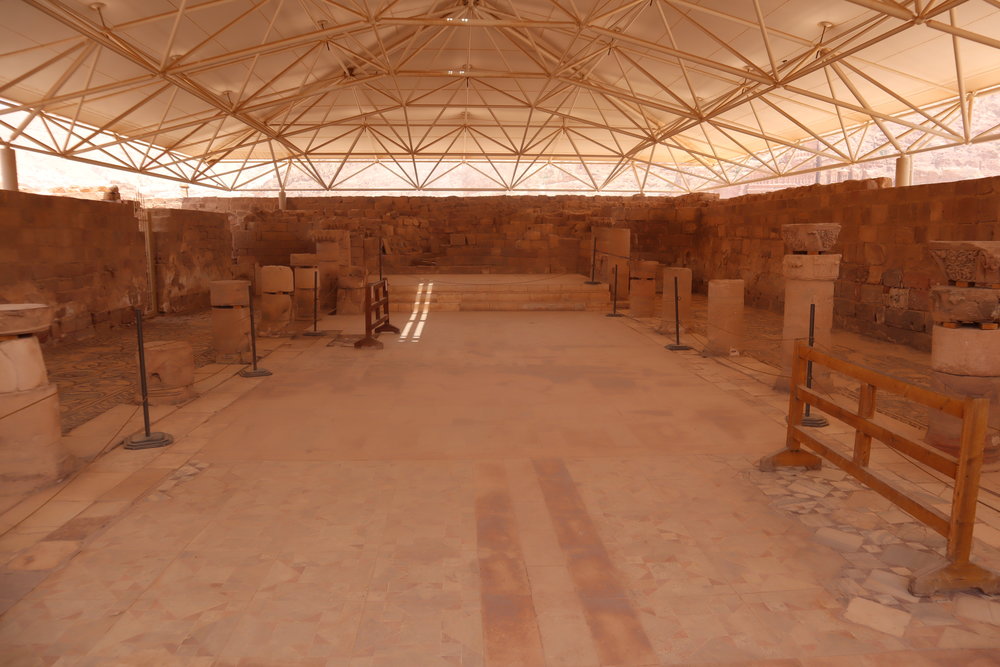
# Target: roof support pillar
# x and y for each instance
(904, 171)
(8, 169)
(282, 204)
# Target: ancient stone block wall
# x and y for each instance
(191, 249)
(504, 234)
(85, 258)
(886, 273)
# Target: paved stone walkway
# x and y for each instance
(509, 489)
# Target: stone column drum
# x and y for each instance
(31, 451)
(810, 273)
(333, 258)
(965, 340)
(683, 275)
(351, 292)
(277, 284)
(725, 317)
(642, 289)
(306, 272)
(169, 372)
(230, 320)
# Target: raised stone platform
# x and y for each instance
(497, 292)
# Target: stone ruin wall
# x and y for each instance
(94, 261)
(191, 249)
(886, 272)
(88, 259)
(85, 258)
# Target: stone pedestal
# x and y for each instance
(333, 258)
(31, 451)
(230, 321)
(169, 372)
(642, 288)
(965, 340)
(277, 283)
(306, 280)
(809, 279)
(725, 317)
(667, 324)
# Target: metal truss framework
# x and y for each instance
(653, 96)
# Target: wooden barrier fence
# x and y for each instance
(959, 573)
(376, 314)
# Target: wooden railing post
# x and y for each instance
(866, 410)
(970, 465)
(793, 454)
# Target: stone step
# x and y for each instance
(506, 306)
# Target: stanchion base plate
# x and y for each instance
(313, 333)
(591, 282)
(143, 441)
(814, 422)
(675, 347)
(614, 315)
(251, 373)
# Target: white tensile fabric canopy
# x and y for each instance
(494, 95)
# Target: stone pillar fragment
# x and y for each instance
(306, 276)
(614, 247)
(333, 258)
(683, 275)
(230, 321)
(725, 317)
(642, 288)
(169, 372)
(277, 283)
(8, 169)
(31, 450)
(965, 340)
(809, 280)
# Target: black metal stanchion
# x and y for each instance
(380, 259)
(254, 372)
(815, 421)
(593, 262)
(676, 345)
(614, 294)
(147, 439)
(315, 331)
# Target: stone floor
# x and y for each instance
(503, 489)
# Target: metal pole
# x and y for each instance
(614, 294)
(677, 319)
(143, 387)
(809, 419)
(256, 372)
(315, 331)
(593, 262)
(380, 259)
(147, 439)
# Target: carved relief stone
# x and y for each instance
(968, 261)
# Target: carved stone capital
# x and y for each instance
(24, 318)
(968, 261)
(810, 237)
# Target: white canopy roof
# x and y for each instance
(609, 95)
